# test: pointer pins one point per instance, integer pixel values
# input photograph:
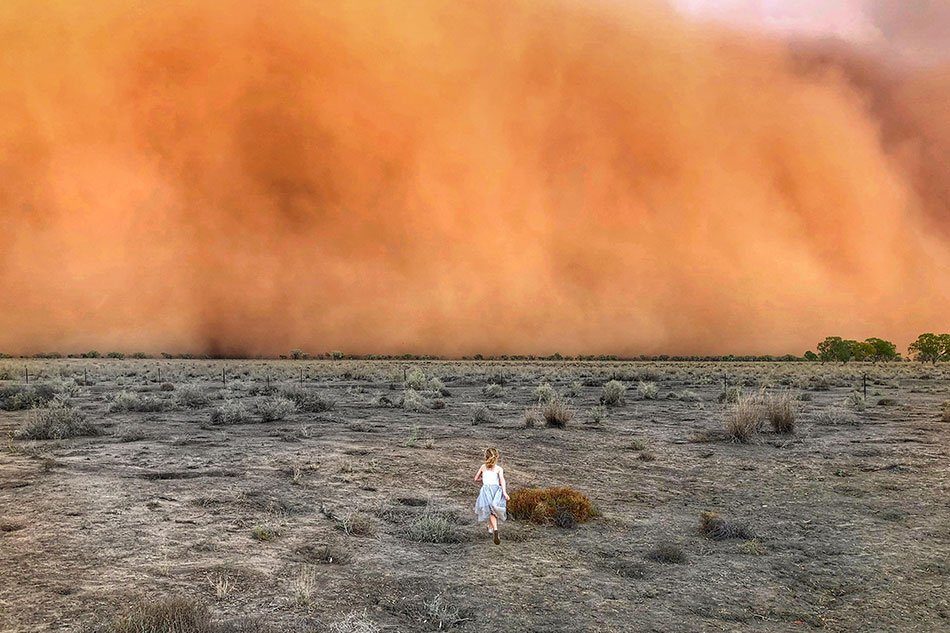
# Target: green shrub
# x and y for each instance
(614, 393)
(597, 415)
(265, 533)
(551, 505)
(648, 390)
(22, 397)
(416, 379)
(412, 400)
(545, 393)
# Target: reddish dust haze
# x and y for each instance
(456, 177)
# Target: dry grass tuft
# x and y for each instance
(668, 553)
(781, 411)
(714, 527)
(353, 622)
(557, 413)
(230, 412)
(433, 528)
(745, 418)
(945, 411)
(563, 507)
(275, 408)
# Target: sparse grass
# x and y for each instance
(230, 412)
(323, 554)
(222, 584)
(856, 401)
(714, 527)
(162, 615)
(58, 422)
(307, 400)
(492, 390)
(305, 585)
(745, 418)
(781, 411)
(668, 553)
(481, 414)
(433, 528)
(648, 390)
(265, 533)
(532, 417)
(126, 401)
(836, 416)
(275, 408)
(559, 506)
(557, 413)
(614, 393)
(353, 622)
(688, 396)
(730, 394)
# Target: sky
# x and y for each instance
(517, 177)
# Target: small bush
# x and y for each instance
(781, 411)
(945, 411)
(192, 397)
(557, 413)
(545, 393)
(307, 400)
(58, 422)
(275, 408)
(551, 505)
(265, 533)
(597, 415)
(126, 401)
(856, 401)
(415, 379)
(20, 397)
(745, 418)
(714, 527)
(358, 524)
(230, 412)
(412, 400)
(167, 386)
(614, 393)
(481, 415)
(492, 390)
(668, 553)
(648, 390)
(433, 528)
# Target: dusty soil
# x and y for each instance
(850, 515)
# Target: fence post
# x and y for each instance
(26, 371)
(224, 377)
(865, 385)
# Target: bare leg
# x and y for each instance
(493, 522)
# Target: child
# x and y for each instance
(491, 503)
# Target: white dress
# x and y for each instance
(491, 498)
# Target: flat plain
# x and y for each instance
(337, 496)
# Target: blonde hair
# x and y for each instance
(491, 457)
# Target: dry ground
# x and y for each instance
(850, 513)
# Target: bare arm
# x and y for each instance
(504, 484)
(478, 475)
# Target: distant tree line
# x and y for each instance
(928, 348)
